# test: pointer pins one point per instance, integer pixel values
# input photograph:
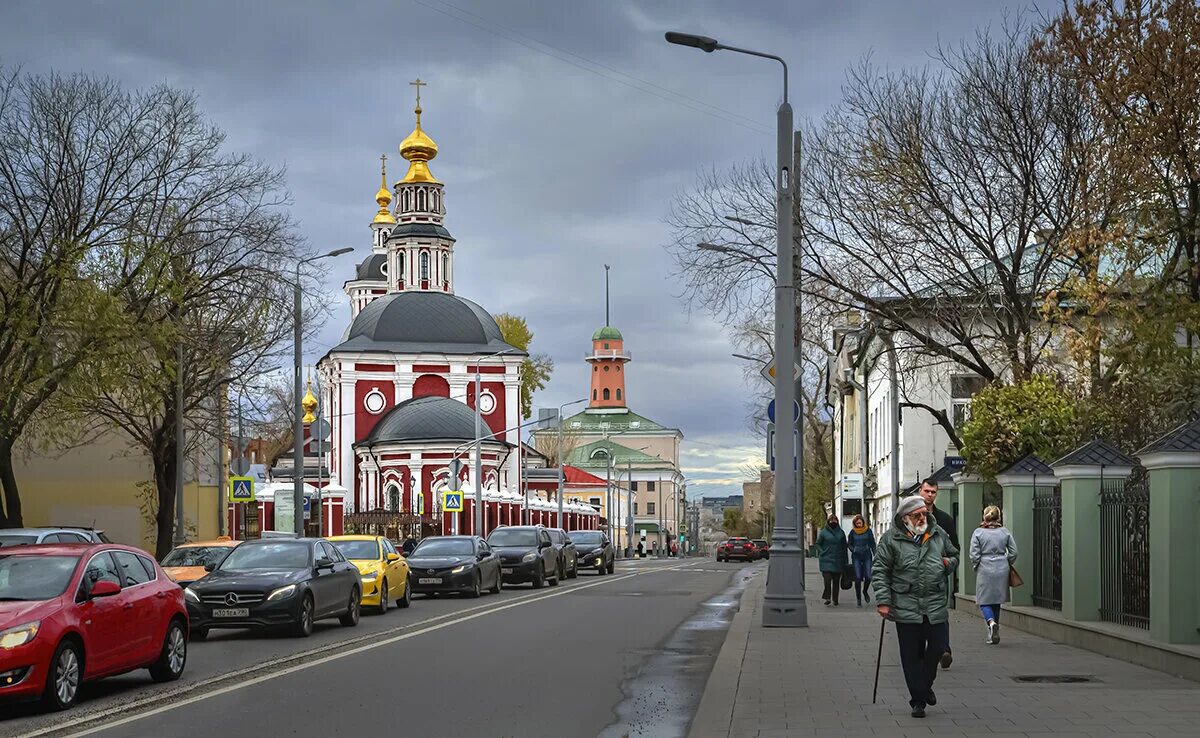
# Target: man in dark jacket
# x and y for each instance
(945, 521)
(910, 568)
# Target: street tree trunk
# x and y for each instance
(10, 512)
(163, 459)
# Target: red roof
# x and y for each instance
(578, 477)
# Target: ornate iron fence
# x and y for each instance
(1047, 547)
(1125, 550)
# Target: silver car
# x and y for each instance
(32, 536)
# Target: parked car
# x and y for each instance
(445, 564)
(526, 554)
(736, 548)
(762, 548)
(34, 536)
(72, 613)
(568, 555)
(276, 582)
(595, 550)
(383, 570)
(186, 563)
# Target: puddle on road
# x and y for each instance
(663, 697)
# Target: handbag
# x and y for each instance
(848, 576)
(1014, 578)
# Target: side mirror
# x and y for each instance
(210, 568)
(393, 557)
(104, 588)
(324, 563)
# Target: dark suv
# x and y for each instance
(568, 555)
(526, 554)
(595, 550)
(763, 548)
(737, 548)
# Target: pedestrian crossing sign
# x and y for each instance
(452, 501)
(241, 489)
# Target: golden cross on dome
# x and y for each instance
(419, 84)
(383, 164)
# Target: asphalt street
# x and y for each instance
(621, 655)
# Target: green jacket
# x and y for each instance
(911, 577)
(831, 542)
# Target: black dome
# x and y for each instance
(414, 321)
(425, 419)
(372, 267)
(405, 230)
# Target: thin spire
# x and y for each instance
(606, 321)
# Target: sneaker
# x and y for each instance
(993, 632)
(918, 711)
(947, 659)
(932, 699)
(987, 627)
(826, 603)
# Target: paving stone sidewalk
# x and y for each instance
(775, 682)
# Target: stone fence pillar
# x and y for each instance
(970, 511)
(1019, 483)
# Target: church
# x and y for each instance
(401, 386)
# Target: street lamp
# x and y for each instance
(562, 407)
(784, 603)
(298, 425)
(479, 439)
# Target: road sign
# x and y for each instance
(768, 371)
(771, 447)
(241, 489)
(455, 471)
(771, 411)
(307, 507)
(852, 486)
(452, 501)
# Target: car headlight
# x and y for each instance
(460, 569)
(190, 594)
(370, 576)
(282, 593)
(529, 557)
(599, 561)
(19, 635)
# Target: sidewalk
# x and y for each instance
(774, 682)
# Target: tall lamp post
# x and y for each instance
(784, 604)
(298, 425)
(561, 471)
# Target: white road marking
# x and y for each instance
(458, 617)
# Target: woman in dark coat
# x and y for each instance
(831, 545)
(861, 542)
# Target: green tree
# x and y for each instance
(734, 523)
(1009, 421)
(536, 369)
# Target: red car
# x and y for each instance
(73, 613)
(737, 548)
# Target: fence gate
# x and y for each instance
(1047, 547)
(1125, 550)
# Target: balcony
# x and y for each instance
(621, 354)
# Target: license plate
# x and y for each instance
(231, 612)
(506, 571)
(430, 580)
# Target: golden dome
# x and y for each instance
(384, 196)
(309, 403)
(419, 149)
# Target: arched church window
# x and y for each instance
(393, 498)
(424, 265)
(407, 200)
(445, 267)
(400, 259)
(606, 394)
(618, 393)
(421, 199)
(593, 394)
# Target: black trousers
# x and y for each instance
(921, 647)
(833, 583)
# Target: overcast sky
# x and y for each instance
(564, 129)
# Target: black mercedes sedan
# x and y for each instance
(526, 554)
(448, 564)
(595, 550)
(276, 582)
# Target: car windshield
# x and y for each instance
(513, 537)
(586, 537)
(196, 556)
(35, 577)
(14, 539)
(444, 547)
(760, 542)
(358, 549)
(289, 555)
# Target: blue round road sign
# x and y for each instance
(771, 411)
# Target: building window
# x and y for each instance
(633, 486)
(606, 345)
(424, 265)
(606, 394)
(445, 267)
(649, 486)
(393, 498)
(618, 393)
(594, 502)
(649, 508)
(421, 199)
(593, 394)
(607, 367)
(635, 508)
(400, 260)
(962, 389)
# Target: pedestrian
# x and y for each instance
(910, 588)
(993, 552)
(831, 544)
(945, 521)
(861, 542)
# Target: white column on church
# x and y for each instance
(344, 409)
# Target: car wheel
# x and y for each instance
(350, 618)
(574, 570)
(558, 576)
(383, 597)
(64, 677)
(198, 634)
(406, 599)
(499, 583)
(612, 566)
(173, 656)
(304, 626)
(476, 586)
(539, 579)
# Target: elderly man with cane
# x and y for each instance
(910, 568)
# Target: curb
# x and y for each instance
(715, 713)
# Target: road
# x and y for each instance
(620, 655)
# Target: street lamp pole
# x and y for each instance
(784, 604)
(298, 424)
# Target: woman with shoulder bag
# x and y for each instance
(831, 543)
(861, 541)
(992, 554)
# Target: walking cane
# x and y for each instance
(878, 658)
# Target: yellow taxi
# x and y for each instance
(186, 563)
(384, 571)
